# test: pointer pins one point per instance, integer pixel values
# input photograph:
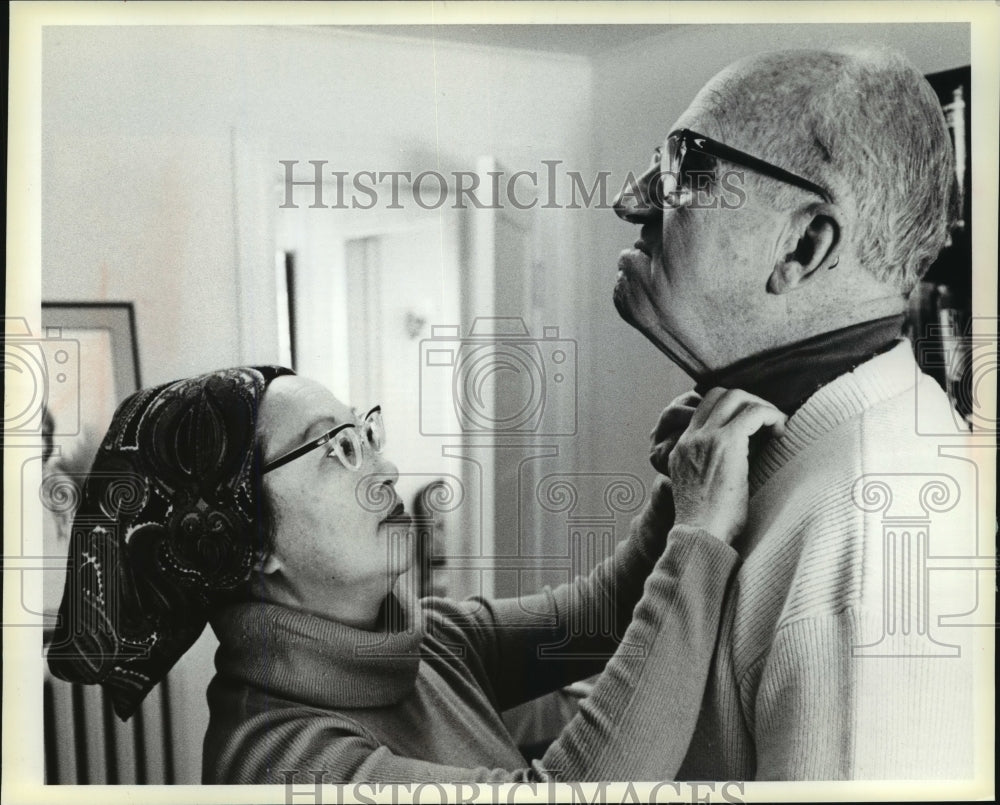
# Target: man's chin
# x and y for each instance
(625, 286)
(620, 297)
(626, 305)
(629, 308)
(636, 314)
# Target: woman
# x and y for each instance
(255, 500)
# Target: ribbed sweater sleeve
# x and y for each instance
(522, 648)
(637, 723)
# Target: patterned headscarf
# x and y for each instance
(167, 529)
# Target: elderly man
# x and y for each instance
(784, 220)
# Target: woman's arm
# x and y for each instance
(577, 627)
(521, 648)
(636, 725)
(638, 722)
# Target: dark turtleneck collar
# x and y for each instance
(788, 376)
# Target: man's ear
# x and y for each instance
(267, 565)
(812, 244)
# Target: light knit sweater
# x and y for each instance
(791, 694)
(298, 693)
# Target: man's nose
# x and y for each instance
(634, 203)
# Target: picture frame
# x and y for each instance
(115, 318)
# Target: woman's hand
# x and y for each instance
(709, 464)
(671, 424)
(668, 430)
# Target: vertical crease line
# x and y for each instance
(110, 745)
(80, 737)
(52, 771)
(168, 734)
(141, 777)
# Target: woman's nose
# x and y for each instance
(634, 204)
(385, 469)
(376, 489)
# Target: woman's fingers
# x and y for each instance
(675, 416)
(710, 463)
(712, 398)
(671, 424)
(659, 456)
(721, 406)
(738, 413)
(754, 416)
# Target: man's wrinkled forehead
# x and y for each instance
(711, 107)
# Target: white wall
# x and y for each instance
(160, 145)
(139, 126)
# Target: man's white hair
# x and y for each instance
(865, 124)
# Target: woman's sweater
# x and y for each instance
(298, 693)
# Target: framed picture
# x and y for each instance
(92, 362)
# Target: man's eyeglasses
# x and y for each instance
(344, 441)
(672, 185)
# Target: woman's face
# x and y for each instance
(335, 528)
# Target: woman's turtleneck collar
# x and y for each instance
(788, 376)
(309, 659)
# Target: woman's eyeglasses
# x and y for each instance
(672, 185)
(344, 441)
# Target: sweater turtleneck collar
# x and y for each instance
(788, 376)
(306, 658)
